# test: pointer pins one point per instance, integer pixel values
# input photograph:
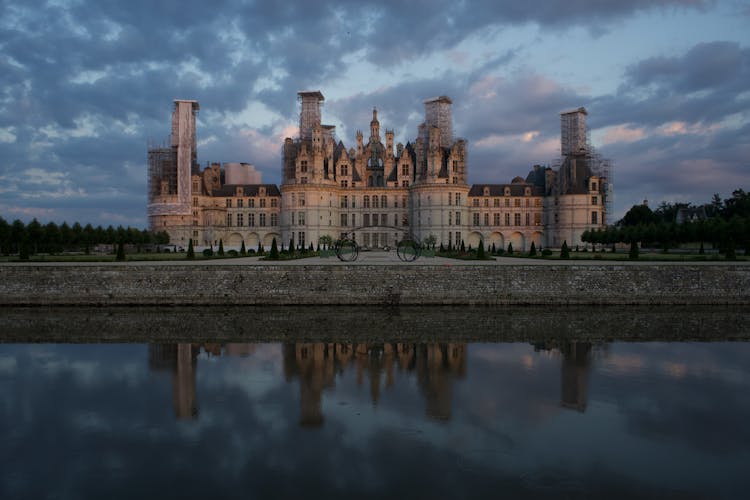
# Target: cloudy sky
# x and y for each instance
(86, 85)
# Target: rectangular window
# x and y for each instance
(301, 239)
(528, 219)
(195, 233)
(240, 220)
(354, 220)
(366, 202)
(404, 202)
(375, 201)
(262, 220)
(496, 219)
(528, 202)
(229, 219)
(450, 218)
(344, 221)
(251, 203)
(384, 201)
(458, 239)
(593, 186)
(486, 219)
(595, 217)
(507, 202)
(195, 202)
(537, 219)
(228, 203)
(251, 220)
(405, 184)
(475, 202)
(302, 199)
(366, 220)
(496, 203)
(274, 202)
(404, 220)
(538, 202)
(274, 219)
(344, 170)
(303, 180)
(458, 199)
(507, 219)
(301, 218)
(476, 219)
(458, 218)
(303, 166)
(239, 205)
(262, 203)
(344, 183)
(395, 219)
(344, 202)
(594, 200)
(374, 219)
(517, 202)
(404, 169)
(486, 202)
(516, 219)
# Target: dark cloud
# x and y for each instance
(68, 67)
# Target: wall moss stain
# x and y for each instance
(374, 285)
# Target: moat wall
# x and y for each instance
(132, 285)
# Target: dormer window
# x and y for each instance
(486, 191)
(506, 192)
(527, 191)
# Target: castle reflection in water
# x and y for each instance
(315, 367)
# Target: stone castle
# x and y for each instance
(376, 192)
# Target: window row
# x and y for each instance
(238, 220)
(507, 202)
(373, 201)
(241, 202)
(484, 219)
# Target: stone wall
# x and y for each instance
(197, 284)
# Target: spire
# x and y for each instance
(374, 127)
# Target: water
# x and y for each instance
(349, 412)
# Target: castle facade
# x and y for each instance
(375, 192)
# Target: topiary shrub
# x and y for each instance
(208, 252)
(243, 250)
(633, 254)
(510, 249)
(532, 250)
(546, 252)
(191, 251)
(274, 255)
(221, 248)
(233, 253)
(565, 251)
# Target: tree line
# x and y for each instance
(34, 237)
(726, 224)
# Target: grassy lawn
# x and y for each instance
(111, 257)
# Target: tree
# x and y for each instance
(35, 235)
(260, 248)
(638, 215)
(510, 248)
(532, 250)
(463, 247)
(243, 250)
(274, 255)
(221, 247)
(190, 252)
(701, 251)
(120, 251)
(564, 250)
(633, 250)
(291, 245)
(430, 241)
(480, 250)
(494, 249)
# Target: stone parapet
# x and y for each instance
(365, 285)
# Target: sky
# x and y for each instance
(86, 86)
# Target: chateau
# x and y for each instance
(374, 192)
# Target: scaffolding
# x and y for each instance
(162, 171)
(574, 138)
(437, 113)
(310, 112)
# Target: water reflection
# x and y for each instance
(569, 415)
(316, 365)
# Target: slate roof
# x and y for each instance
(229, 190)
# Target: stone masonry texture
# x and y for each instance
(380, 285)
